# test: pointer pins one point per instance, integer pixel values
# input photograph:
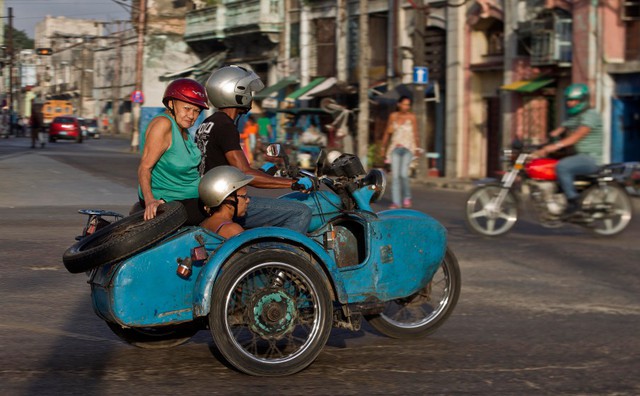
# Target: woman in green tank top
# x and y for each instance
(168, 169)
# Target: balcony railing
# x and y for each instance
(234, 18)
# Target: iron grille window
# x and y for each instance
(631, 10)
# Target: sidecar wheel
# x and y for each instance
(123, 238)
(422, 313)
(271, 312)
(155, 337)
(483, 218)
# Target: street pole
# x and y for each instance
(135, 137)
(10, 48)
(419, 104)
(363, 80)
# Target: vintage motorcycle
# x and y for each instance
(493, 208)
(269, 295)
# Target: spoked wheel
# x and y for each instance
(484, 216)
(271, 312)
(155, 337)
(609, 208)
(422, 313)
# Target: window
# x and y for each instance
(631, 10)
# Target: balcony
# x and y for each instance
(232, 18)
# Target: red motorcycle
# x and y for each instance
(493, 207)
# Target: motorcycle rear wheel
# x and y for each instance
(608, 207)
(271, 312)
(483, 218)
(422, 313)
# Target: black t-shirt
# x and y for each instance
(215, 137)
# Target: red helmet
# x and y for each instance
(186, 90)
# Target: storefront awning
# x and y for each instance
(200, 71)
(303, 90)
(528, 86)
(275, 88)
(326, 84)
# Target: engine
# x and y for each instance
(547, 197)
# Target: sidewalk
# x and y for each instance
(30, 179)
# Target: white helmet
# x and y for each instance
(232, 86)
(220, 182)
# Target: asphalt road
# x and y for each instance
(542, 312)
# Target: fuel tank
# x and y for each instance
(542, 169)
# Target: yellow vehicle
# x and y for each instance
(54, 108)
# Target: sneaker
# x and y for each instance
(406, 203)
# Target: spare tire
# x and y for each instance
(123, 238)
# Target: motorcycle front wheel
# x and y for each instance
(485, 217)
(608, 207)
(271, 312)
(423, 312)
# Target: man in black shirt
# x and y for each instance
(230, 90)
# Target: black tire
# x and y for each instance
(422, 313)
(482, 218)
(155, 337)
(123, 238)
(271, 312)
(608, 207)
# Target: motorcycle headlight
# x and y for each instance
(378, 180)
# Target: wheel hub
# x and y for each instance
(273, 313)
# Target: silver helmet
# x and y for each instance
(232, 86)
(218, 183)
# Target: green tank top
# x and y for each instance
(175, 176)
(591, 144)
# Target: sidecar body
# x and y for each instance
(363, 258)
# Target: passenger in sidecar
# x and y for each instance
(224, 193)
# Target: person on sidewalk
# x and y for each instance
(583, 130)
(230, 90)
(402, 129)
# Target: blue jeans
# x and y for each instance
(570, 167)
(400, 161)
(277, 213)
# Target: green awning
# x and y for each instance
(275, 88)
(302, 90)
(528, 86)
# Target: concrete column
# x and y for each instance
(454, 111)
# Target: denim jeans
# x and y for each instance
(400, 160)
(277, 213)
(568, 168)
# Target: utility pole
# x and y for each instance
(10, 49)
(135, 137)
(419, 104)
(117, 89)
(363, 81)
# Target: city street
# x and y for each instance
(541, 312)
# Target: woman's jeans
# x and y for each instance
(570, 167)
(400, 161)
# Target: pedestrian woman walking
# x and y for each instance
(402, 129)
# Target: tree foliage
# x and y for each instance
(20, 39)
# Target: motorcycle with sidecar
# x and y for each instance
(269, 295)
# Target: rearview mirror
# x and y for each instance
(274, 150)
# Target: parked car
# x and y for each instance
(89, 127)
(65, 127)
